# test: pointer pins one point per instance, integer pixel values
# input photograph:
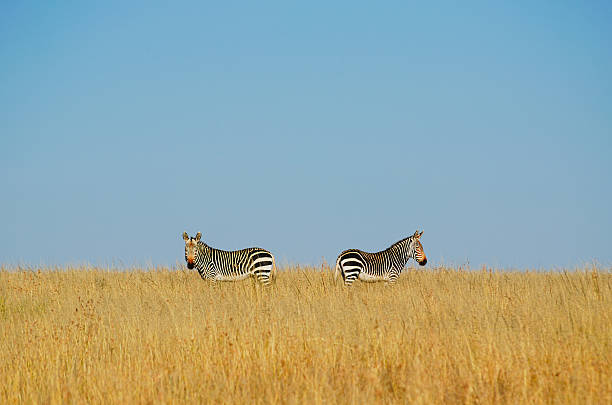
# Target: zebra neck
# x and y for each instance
(204, 249)
(401, 251)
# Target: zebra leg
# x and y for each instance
(262, 275)
(393, 275)
(350, 276)
(208, 273)
(350, 272)
(350, 265)
(261, 267)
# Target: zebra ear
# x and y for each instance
(198, 236)
(421, 234)
(185, 236)
(416, 235)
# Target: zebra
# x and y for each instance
(220, 265)
(380, 266)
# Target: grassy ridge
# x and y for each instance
(437, 336)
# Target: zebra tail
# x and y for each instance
(273, 267)
(337, 270)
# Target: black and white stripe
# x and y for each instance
(221, 265)
(380, 266)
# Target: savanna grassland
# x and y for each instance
(86, 335)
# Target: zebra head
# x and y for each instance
(191, 245)
(417, 249)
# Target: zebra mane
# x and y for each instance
(399, 242)
(202, 243)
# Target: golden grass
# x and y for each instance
(437, 336)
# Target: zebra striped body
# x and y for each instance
(380, 266)
(221, 265)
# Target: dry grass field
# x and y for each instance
(86, 335)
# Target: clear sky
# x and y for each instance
(306, 129)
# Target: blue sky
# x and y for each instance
(306, 129)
